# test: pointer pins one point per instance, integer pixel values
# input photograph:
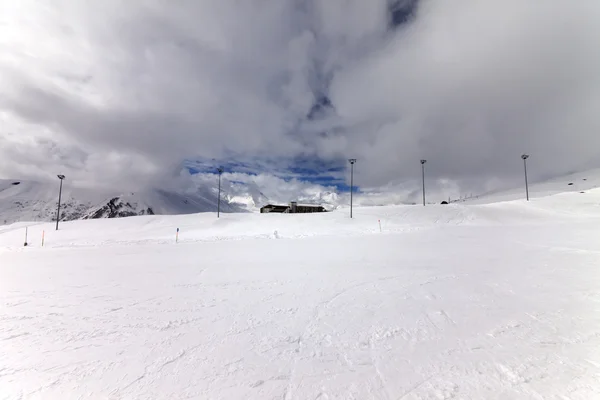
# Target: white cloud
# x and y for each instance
(114, 93)
(470, 85)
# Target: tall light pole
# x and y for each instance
(423, 178)
(61, 177)
(220, 171)
(351, 161)
(525, 157)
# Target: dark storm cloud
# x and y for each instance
(128, 90)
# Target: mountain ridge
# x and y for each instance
(26, 200)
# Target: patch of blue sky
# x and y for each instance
(303, 168)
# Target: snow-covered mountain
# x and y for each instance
(24, 200)
(250, 196)
(37, 201)
(246, 195)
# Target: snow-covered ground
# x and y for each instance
(490, 301)
(574, 182)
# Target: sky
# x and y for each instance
(125, 94)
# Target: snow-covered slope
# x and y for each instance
(160, 229)
(33, 201)
(160, 202)
(491, 301)
(36, 201)
(574, 182)
(246, 195)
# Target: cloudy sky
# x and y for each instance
(121, 93)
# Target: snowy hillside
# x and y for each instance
(575, 182)
(36, 201)
(33, 201)
(489, 301)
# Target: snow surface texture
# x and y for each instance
(494, 301)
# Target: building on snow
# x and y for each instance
(292, 208)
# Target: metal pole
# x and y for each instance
(220, 171)
(525, 157)
(352, 161)
(61, 177)
(351, 186)
(423, 178)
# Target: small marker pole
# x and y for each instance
(43, 232)
(25, 244)
(379, 225)
(177, 236)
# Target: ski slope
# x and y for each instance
(571, 183)
(465, 301)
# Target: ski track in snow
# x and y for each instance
(498, 301)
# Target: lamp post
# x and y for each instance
(423, 178)
(351, 161)
(220, 171)
(525, 157)
(61, 177)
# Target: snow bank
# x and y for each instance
(206, 227)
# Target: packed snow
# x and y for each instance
(465, 301)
